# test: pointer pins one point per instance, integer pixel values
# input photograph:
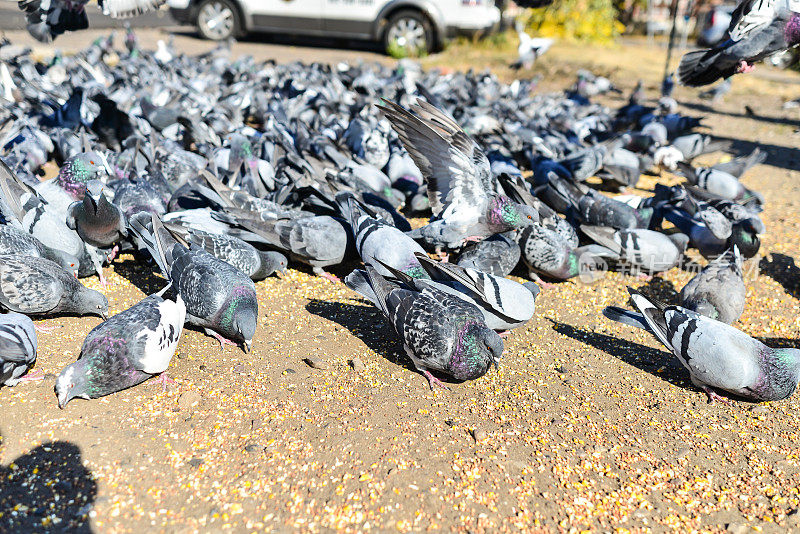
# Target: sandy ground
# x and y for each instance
(587, 425)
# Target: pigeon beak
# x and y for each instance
(104, 315)
(247, 346)
(281, 274)
(496, 364)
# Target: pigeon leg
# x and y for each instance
(35, 376)
(714, 396)
(328, 276)
(535, 278)
(504, 334)
(164, 379)
(443, 256)
(433, 381)
(42, 329)
(113, 253)
(744, 67)
(222, 341)
(103, 281)
(474, 239)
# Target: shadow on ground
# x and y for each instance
(367, 324)
(304, 41)
(47, 490)
(141, 272)
(699, 106)
(782, 269)
(658, 363)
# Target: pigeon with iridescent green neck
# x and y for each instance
(125, 350)
(378, 242)
(72, 180)
(718, 356)
(463, 193)
(219, 297)
(440, 332)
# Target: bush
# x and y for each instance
(592, 21)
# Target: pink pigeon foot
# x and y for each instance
(113, 253)
(103, 281)
(473, 239)
(444, 257)
(644, 277)
(504, 334)
(329, 276)
(222, 341)
(433, 381)
(35, 376)
(542, 284)
(714, 396)
(42, 329)
(164, 379)
(744, 67)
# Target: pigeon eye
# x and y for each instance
(91, 162)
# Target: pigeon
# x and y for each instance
(98, 222)
(440, 332)
(15, 241)
(530, 49)
(462, 196)
(505, 304)
(717, 182)
(257, 264)
(644, 249)
(48, 19)
(17, 347)
(125, 350)
(379, 243)
(37, 286)
(717, 355)
(758, 30)
(219, 297)
(718, 291)
(497, 255)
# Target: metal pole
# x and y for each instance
(672, 32)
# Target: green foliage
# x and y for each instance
(592, 21)
(399, 52)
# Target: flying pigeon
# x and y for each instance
(758, 29)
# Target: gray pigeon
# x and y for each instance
(125, 350)
(461, 188)
(440, 332)
(696, 144)
(716, 182)
(17, 347)
(99, 222)
(718, 356)
(718, 291)
(497, 255)
(644, 249)
(505, 304)
(37, 286)
(257, 264)
(219, 297)
(15, 241)
(379, 243)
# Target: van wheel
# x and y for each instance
(408, 33)
(218, 20)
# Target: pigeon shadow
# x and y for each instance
(782, 269)
(777, 156)
(779, 342)
(301, 41)
(47, 490)
(698, 106)
(658, 363)
(660, 289)
(141, 273)
(367, 324)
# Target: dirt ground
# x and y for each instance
(588, 425)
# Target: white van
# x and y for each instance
(411, 25)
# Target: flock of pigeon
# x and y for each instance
(220, 172)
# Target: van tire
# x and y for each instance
(218, 20)
(409, 25)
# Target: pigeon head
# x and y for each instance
(72, 382)
(744, 237)
(79, 170)
(90, 302)
(271, 262)
(239, 317)
(505, 214)
(478, 348)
